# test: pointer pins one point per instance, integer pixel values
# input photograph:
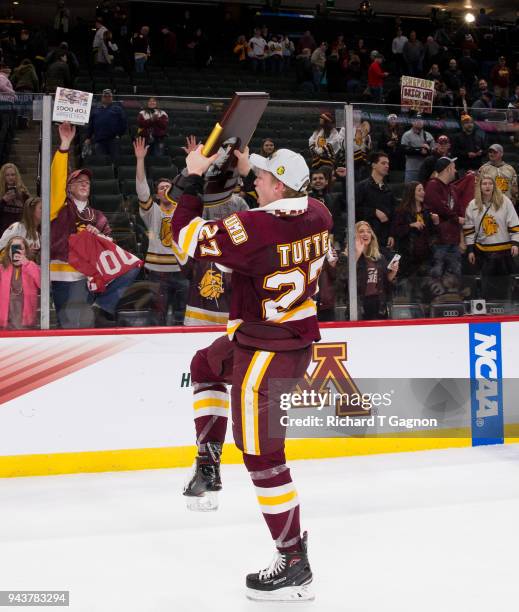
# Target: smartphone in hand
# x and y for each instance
(396, 257)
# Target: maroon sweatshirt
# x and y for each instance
(440, 199)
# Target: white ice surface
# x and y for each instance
(414, 532)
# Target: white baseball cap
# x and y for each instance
(287, 166)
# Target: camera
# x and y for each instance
(478, 307)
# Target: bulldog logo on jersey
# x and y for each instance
(489, 225)
(166, 236)
(211, 285)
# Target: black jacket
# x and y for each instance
(368, 198)
(463, 144)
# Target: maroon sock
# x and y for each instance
(211, 407)
(277, 498)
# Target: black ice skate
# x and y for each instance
(288, 578)
(204, 484)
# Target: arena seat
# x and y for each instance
(107, 202)
(106, 187)
(103, 172)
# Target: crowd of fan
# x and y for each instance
(457, 210)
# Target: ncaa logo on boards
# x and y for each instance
(486, 385)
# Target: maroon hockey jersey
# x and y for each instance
(275, 253)
(100, 259)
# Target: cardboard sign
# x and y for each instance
(417, 94)
(72, 105)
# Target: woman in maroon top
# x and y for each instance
(13, 194)
(413, 229)
(153, 126)
(374, 277)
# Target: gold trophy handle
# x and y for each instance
(213, 137)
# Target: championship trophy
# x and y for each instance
(233, 131)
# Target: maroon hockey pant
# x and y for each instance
(255, 391)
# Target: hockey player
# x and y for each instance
(276, 253)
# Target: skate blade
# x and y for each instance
(286, 594)
(208, 502)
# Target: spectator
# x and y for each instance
(25, 81)
(104, 57)
(483, 20)
(469, 69)
(141, 48)
(320, 190)
(334, 73)
(6, 88)
(326, 296)
(19, 286)
(28, 228)
(442, 96)
(515, 98)
(362, 147)
(416, 144)
(390, 141)
(153, 127)
(452, 76)
(482, 87)
(462, 101)
(199, 45)
(98, 37)
(61, 21)
(432, 53)
(257, 50)
(374, 201)
(267, 148)
(325, 142)
(440, 200)
(376, 78)
(491, 232)
(275, 58)
(288, 52)
(413, 229)
(482, 106)
(468, 145)
(434, 73)
(503, 174)
(107, 124)
(13, 195)
(72, 60)
(164, 260)
(58, 73)
(441, 149)
(501, 77)
(318, 64)
(353, 75)
(373, 276)
(397, 48)
(169, 47)
(413, 52)
(306, 41)
(24, 78)
(240, 50)
(304, 74)
(71, 213)
(362, 51)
